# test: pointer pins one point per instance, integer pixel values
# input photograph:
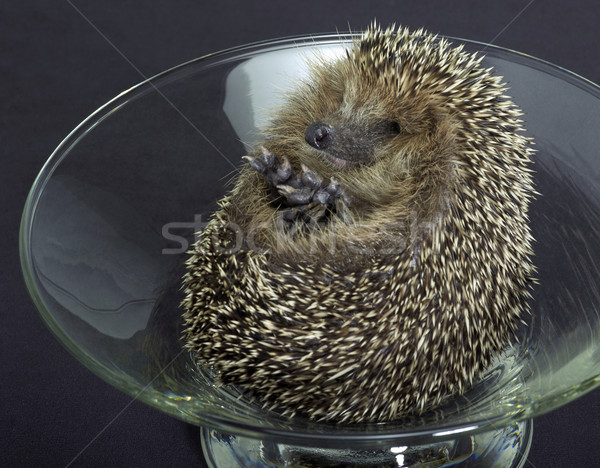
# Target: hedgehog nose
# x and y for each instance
(318, 135)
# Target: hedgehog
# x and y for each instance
(374, 255)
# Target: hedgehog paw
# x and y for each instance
(306, 199)
(308, 214)
(309, 208)
(313, 190)
(274, 171)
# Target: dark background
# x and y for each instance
(61, 60)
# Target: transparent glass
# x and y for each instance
(113, 210)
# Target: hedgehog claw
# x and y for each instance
(301, 196)
(268, 158)
(311, 179)
(334, 187)
(256, 164)
(284, 171)
(285, 190)
(322, 197)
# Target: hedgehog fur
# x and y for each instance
(374, 255)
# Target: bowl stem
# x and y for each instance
(507, 447)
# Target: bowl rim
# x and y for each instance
(440, 431)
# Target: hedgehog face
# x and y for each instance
(346, 143)
(357, 124)
(357, 120)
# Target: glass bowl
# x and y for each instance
(112, 212)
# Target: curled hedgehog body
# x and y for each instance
(374, 255)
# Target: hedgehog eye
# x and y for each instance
(394, 127)
(391, 127)
(387, 129)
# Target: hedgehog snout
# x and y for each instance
(339, 147)
(319, 135)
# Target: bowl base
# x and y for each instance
(506, 447)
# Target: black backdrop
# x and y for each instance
(60, 60)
